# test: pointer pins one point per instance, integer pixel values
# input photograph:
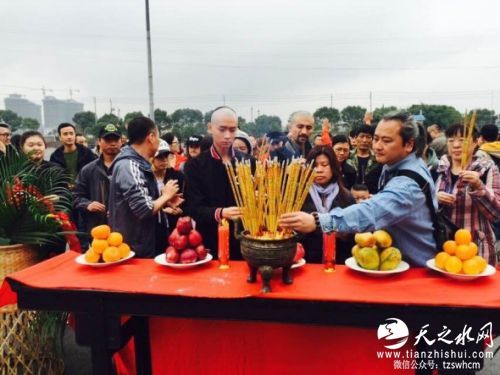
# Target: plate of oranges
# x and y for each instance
(459, 259)
(107, 248)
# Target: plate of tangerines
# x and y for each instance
(459, 259)
(107, 248)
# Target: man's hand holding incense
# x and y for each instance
(299, 221)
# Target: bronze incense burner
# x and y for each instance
(264, 255)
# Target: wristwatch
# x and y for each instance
(316, 219)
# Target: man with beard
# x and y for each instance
(92, 184)
(300, 128)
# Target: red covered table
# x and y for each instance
(218, 323)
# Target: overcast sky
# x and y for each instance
(275, 56)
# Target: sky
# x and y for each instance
(260, 57)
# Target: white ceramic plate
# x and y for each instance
(160, 259)
(490, 270)
(299, 263)
(402, 267)
(80, 259)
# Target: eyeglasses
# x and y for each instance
(5, 134)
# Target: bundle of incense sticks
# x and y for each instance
(467, 134)
(271, 190)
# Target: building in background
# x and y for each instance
(56, 111)
(23, 107)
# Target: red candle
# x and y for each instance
(223, 244)
(329, 251)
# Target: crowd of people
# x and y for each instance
(376, 177)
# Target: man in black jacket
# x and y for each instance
(92, 184)
(71, 156)
(208, 194)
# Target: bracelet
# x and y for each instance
(316, 219)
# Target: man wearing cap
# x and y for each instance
(92, 184)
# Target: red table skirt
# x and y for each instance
(191, 346)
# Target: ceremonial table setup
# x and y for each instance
(218, 323)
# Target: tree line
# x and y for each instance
(185, 122)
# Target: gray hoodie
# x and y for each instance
(132, 192)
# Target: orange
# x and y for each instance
(124, 250)
(472, 266)
(91, 256)
(465, 252)
(99, 245)
(115, 239)
(463, 237)
(100, 232)
(450, 247)
(441, 259)
(482, 262)
(111, 254)
(453, 264)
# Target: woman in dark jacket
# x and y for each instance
(327, 192)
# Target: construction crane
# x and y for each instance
(71, 91)
(43, 89)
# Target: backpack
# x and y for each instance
(444, 228)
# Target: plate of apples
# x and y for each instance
(186, 249)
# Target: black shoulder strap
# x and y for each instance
(424, 185)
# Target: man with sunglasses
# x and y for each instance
(300, 128)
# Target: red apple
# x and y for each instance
(184, 225)
(173, 236)
(180, 243)
(188, 256)
(194, 238)
(299, 254)
(171, 255)
(201, 251)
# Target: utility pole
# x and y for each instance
(110, 106)
(331, 100)
(251, 114)
(371, 101)
(95, 110)
(150, 65)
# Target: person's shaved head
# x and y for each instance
(223, 113)
(223, 126)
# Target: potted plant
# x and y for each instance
(34, 202)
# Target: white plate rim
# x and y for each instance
(489, 271)
(80, 259)
(353, 265)
(160, 259)
(299, 263)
